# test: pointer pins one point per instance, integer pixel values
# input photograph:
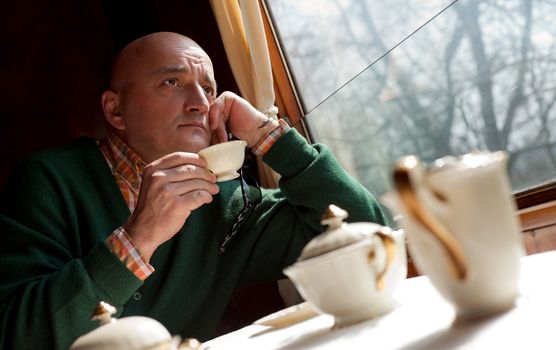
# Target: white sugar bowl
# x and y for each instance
(351, 270)
(129, 333)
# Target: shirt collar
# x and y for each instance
(123, 160)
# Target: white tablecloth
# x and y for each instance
(423, 320)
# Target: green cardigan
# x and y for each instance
(59, 205)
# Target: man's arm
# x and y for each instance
(288, 218)
(311, 179)
(51, 278)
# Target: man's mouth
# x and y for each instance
(195, 125)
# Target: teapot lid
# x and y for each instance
(134, 332)
(339, 234)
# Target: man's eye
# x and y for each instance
(209, 90)
(173, 82)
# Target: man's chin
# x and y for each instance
(194, 146)
(194, 142)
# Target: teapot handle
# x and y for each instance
(390, 246)
(403, 183)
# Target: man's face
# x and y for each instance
(166, 99)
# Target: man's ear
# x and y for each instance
(111, 107)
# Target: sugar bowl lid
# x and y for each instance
(338, 235)
(134, 332)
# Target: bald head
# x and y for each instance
(160, 93)
(141, 52)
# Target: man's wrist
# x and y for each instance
(123, 247)
(267, 121)
(273, 133)
(262, 130)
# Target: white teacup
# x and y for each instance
(462, 228)
(224, 159)
(351, 271)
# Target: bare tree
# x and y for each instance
(444, 79)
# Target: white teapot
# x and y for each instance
(351, 270)
(462, 227)
(130, 333)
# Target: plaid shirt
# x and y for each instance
(266, 142)
(127, 168)
(126, 165)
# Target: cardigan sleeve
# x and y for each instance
(50, 277)
(286, 219)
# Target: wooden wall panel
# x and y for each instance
(540, 240)
(539, 227)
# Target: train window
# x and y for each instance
(382, 79)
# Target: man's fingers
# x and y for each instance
(217, 120)
(219, 135)
(215, 114)
(183, 173)
(219, 131)
(183, 187)
(194, 199)
(183, 196)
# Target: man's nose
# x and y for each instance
(196, 99)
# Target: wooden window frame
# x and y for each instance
(287, 99)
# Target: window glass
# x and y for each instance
(383, 79)
(328, 42)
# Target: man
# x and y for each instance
(137, 220)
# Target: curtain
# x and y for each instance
(241, 27)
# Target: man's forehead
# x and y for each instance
(208, 73)
(182, 61)
(195, 51)
(163, 53)
(183, 56)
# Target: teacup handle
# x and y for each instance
(402, 180)
(390, 246)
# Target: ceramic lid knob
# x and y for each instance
(103, 313)
(190, 344)
(339, 234)
(333, 216)
(127, 333)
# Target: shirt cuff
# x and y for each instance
(122, 246)
(266, 142)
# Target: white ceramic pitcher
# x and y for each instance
(462, 228)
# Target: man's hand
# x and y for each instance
(171, 188)
(233, 113)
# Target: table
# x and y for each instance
(423, 320)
